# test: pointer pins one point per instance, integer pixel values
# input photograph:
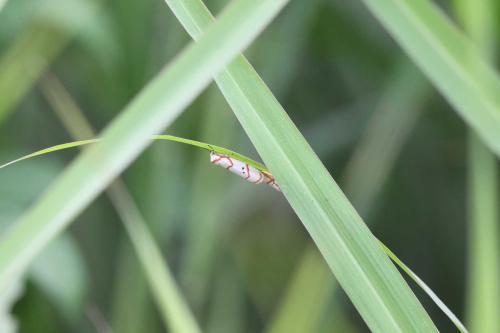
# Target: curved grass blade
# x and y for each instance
(214, 148)
(150, 112)
(194, 143)
(55, 148)
(426, 289)
(203, 145)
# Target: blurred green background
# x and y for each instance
(237, 250)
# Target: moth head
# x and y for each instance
(213, 156)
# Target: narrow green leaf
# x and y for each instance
(385, 134)
(483, 301)
(150, 112)
(372, 282)
(173, 138)
(426, 289)
(55, 148)
(448, 59)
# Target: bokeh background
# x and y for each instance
(237, 250)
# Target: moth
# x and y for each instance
(244, 170)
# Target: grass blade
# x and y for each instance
(448, 59)
(483, 303)
(374, 285)
(426, 289)
(381, 142)
(150, 112)
(189, 142)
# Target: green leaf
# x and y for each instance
(151, 111)
(372, 282)
(449, 59)
(483, 301)
(458, 324)
(382, 140)
(173, 138)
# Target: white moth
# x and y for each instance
(244, 170)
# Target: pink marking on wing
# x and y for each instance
(260, 178)
(230, 160)
(220, 158)
(248, 171)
